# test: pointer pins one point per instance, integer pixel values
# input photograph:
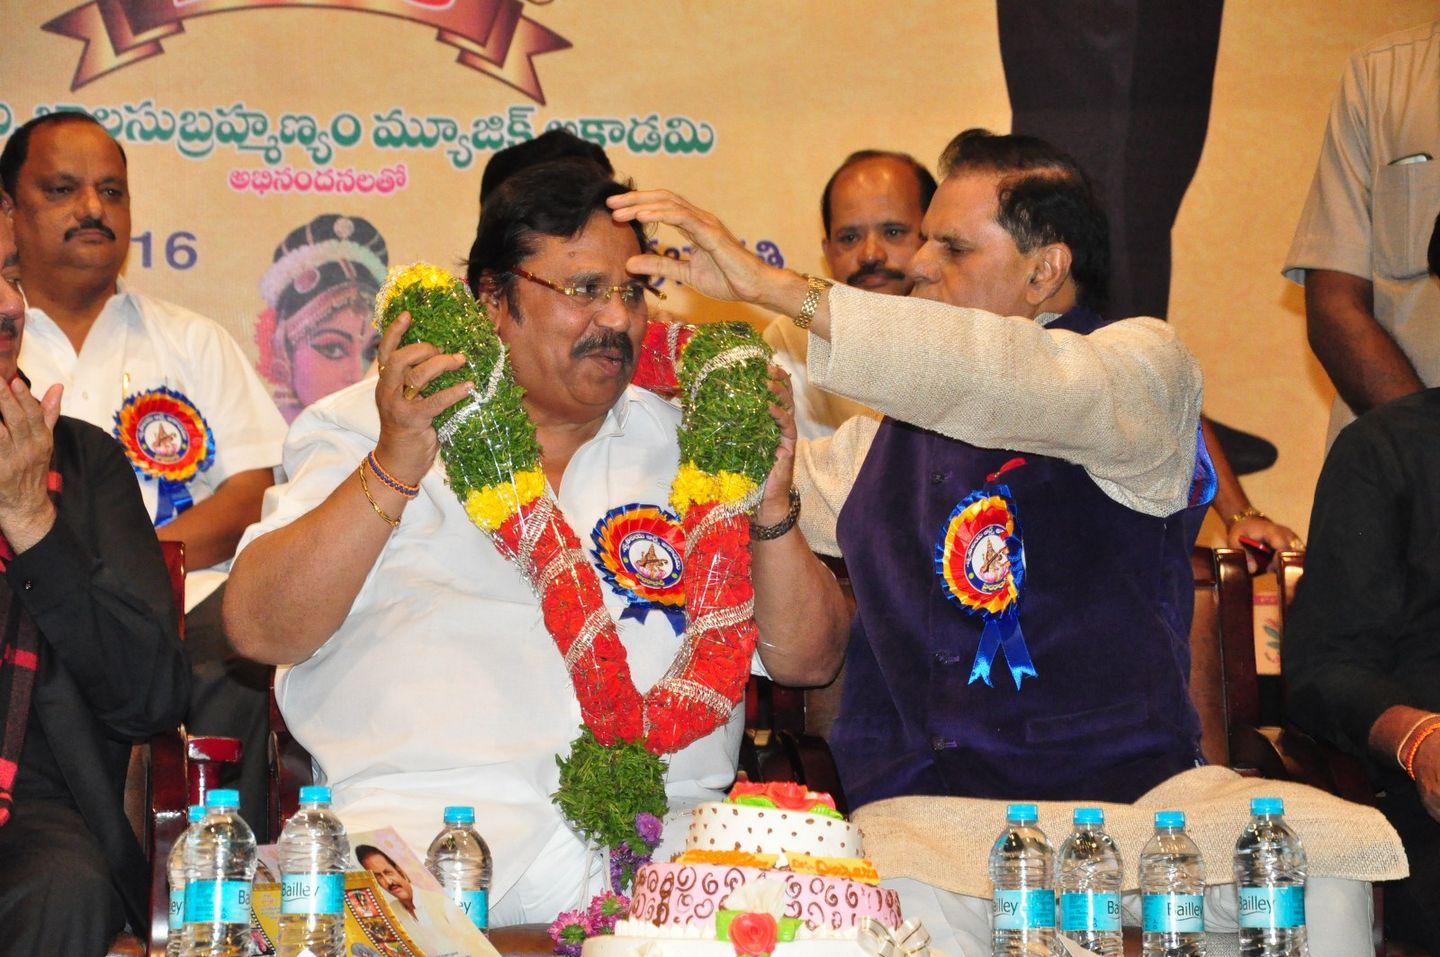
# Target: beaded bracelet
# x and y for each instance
(1415, 748)
(1400, 747)
(365, 487)
(409, 491)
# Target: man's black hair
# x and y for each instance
(924, 182)
(550, 145)
(1045, 197)
(550, 199)
(17, 147)
(369, 850)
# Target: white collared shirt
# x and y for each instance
(443, 685)
(138, 343)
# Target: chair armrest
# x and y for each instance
(205, 756)
(1331, 769)
(522, 940)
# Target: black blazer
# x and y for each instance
(112, 671)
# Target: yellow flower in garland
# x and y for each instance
(694, 486)
(491, 507)
(423, 275)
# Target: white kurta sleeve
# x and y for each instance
(1122, 402)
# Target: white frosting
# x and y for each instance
(715, 826)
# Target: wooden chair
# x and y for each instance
(167, 774)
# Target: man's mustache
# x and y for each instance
(94, 224)
(875, 269)
(604, 342)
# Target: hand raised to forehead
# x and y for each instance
(27, 443)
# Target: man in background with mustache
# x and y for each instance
(196, 423)
(871, 210)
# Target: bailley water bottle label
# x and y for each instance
(1173, 913)
(312, 893)
(1090, 911)
(1018, 910)
(225, 901)
(1272, 907)
(177, 908)
(476, 906)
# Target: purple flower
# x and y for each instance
(569, 932)
(649, 827)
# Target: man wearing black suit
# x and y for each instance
(90, 661)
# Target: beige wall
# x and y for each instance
(789, 88)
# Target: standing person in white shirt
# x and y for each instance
(193, 417)
(422, 671)
(871, 210)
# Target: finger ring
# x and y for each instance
(410, 392)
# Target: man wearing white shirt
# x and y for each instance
(422, 672)
(193, 417)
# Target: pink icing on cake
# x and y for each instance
(680, 894)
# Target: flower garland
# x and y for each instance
(613, 777)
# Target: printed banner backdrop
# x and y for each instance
(269, 140)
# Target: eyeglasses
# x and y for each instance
(596, 293)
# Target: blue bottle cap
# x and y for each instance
(315, 794)
(196, 812)
(1089, 817)
(1022, 813)
(1169, 818)
(1269, 805)
(460, 814)
(222, 798)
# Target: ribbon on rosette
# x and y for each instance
(166, 439)
(980, 559)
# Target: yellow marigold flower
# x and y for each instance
(415, 274)
(695, 487)
(491, 507)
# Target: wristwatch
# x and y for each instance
(815, 288)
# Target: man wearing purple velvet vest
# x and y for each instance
(1018, 527)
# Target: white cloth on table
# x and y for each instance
(443, 685)
(139, 343)
(940, 847)
(1370, 217)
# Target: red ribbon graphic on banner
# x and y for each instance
(493, 36)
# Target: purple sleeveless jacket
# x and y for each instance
(1104, 607)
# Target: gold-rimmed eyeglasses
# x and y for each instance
(631, 293)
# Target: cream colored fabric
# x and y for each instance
(1122, 402)
(817, 413)
(946, 841)
(1370, 217)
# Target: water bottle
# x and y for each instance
(1087, 875)
(175, 938)
(219, 868)
(313, 851)
(1270, 880)
(1172, 889)
(460, 860)
(1023, 908)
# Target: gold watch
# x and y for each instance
(815, 288)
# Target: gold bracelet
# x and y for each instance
(815, 287)
(365, 487)
(1249, 511)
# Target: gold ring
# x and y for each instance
(410, 392)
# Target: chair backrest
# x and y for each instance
(1223, 683)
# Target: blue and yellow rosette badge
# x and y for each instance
(981, 562)
(168, 440)
(639, 549)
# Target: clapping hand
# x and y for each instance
(27, 441)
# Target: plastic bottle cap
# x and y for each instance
(1270, 805)
(196, 812)
(222, 798)
(1169, 818)
(460, 814)
(1089, 816)
(315, 794)
(1022, 813)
